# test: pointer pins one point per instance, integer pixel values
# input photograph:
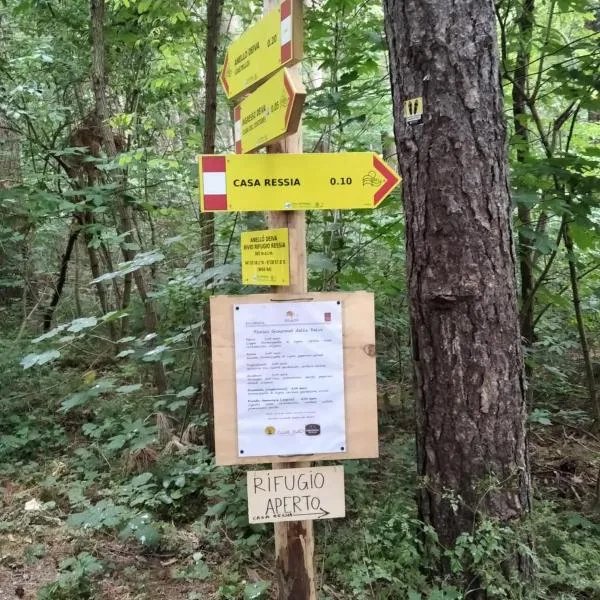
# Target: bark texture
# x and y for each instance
(461, 265)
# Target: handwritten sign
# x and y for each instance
(296, 494)
(265, 257)
(289, 362)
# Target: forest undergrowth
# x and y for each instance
(100, 499)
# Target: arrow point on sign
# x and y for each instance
(324, 513)
(391, 180)
(223, 76)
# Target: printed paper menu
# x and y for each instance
(289, 378)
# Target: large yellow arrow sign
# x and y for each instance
(274, 42)
(270, 112)
(257, 182)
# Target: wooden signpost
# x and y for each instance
(271, 112)
(272, 182)
(294, 376)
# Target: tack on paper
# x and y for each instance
(289, 378)
(296, 494)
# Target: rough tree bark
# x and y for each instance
(207, 220)
(469, 386)
(124, 212)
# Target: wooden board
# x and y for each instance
(359, 376)
(313, 493)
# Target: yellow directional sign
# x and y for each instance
(269, 113)
(257, 182)
(274, 42)
(265, 257)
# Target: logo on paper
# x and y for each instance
(290, 316)
(327, 317)
(312, 429)
(270, 430)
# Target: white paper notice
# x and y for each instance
(290, 378)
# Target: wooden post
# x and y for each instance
(294, 540)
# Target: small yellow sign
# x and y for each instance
(266, 258)
(269, 113)
(275, 41)
(413, 110)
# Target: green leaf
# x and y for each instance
(216, 509)
(188, 392)
(49, 334)
(141, 479)
(39, 359)
(83, 323)
(320, 262)
(256, 590)
(128, 389)
(124, 353)
(540, 416)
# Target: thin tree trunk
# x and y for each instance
(585, 348)
(100, 291)
(467, 358)
(124, 211)
(77, 282)
(62, 276)
(207, 222)
(110, 268)
(127, 281)
(525, 240)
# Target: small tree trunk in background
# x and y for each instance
(585, 348)
(77, 282)
(525, 240)
(88, 219)
(62, 276)
(469, 386)
(594, 25)
(207, 220)
(124, 211)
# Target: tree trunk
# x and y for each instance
(124, 211)
(525, 241)
(62, 276)
(469, 386)
(207, 220)
(585, 348)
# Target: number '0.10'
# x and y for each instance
(341, 181)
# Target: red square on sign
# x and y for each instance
(327, 317)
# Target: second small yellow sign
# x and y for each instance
(269, 113)
(265, 257)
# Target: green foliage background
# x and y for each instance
(83, 429)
